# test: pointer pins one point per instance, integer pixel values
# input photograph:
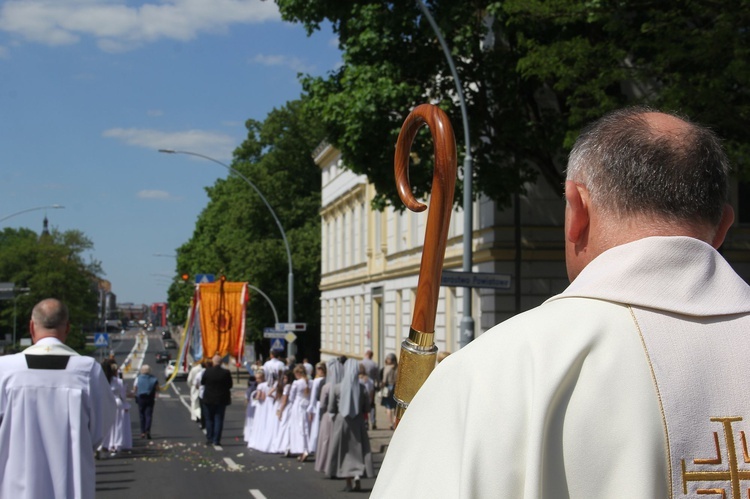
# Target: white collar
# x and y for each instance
(675, 274)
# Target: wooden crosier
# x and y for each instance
(418, 352)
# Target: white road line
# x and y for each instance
(257, 494)
(181, 397)
(231, 464)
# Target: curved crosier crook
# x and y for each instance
(418, 351)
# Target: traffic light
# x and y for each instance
(185, 277)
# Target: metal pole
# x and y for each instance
(52, 206)
(291, 348)
(467, 321)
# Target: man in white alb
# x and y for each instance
(632, 382)
(55, 407)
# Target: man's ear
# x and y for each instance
(576, 212)
(727, 219)
(32, 331)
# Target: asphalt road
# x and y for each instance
(176, 463)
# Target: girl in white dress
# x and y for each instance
(313, 410)
(251, 407)
(299, 423)
(265, 417)
(283, 413)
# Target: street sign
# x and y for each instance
(278, 344)
(291, 326)
(7, 290)
(290, 337)
(475, 280)
(269, 332)
(101, 340)
(204, 278)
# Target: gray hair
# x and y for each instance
(145, 369)
(50, 313)
(629, 167)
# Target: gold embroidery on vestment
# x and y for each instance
(658, 396)
(744, 451)
(733, 474)
(715, 460)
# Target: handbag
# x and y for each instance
(385, 392)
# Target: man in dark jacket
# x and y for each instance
(217, 396)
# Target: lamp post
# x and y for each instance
(52, 207)
(467, 321)
(290, 278)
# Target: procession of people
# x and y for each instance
(327, 416)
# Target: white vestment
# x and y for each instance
(55, 407)
(631, 383)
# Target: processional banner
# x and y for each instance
(222, 318)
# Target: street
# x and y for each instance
(176, 463)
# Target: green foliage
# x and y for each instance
(236, 234)
(533, 72)
(50, 267)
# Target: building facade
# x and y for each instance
(370, 264)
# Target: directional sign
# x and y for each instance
(101, 340)
(204, 278)
(278, 344)
(291, 326)
(269, 332)
(475, 280)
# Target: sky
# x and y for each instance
(91, 89)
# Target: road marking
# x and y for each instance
(231, 464)
(182, 399)
(257, 494)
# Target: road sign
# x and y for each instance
(278, 344)
(475, 280)
(291, 326)
(290, 337)
(269, 332)
(101, 340)
(204, 278)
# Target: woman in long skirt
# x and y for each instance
(333, 376)
(313, 410)
(349, 454)
(299, 423)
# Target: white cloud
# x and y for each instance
(116, 26)
(213, 144)
(281, 60)
(155, 113)
(155, 194)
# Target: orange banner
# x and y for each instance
(222, 318)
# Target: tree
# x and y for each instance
(236, 235)
(533, 73)
(50, 267)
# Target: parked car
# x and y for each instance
(171, 366)
(170, 343)
(163, 356)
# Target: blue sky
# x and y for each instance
(90, 89)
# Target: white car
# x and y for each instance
(170, 367)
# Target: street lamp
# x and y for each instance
(467, 321)
(290, 281)
(52, 206)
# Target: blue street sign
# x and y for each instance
(204, 278)
(278, 344)
(101, 340)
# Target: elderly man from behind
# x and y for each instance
(629, 383)
(216, 396)
(55, 408)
